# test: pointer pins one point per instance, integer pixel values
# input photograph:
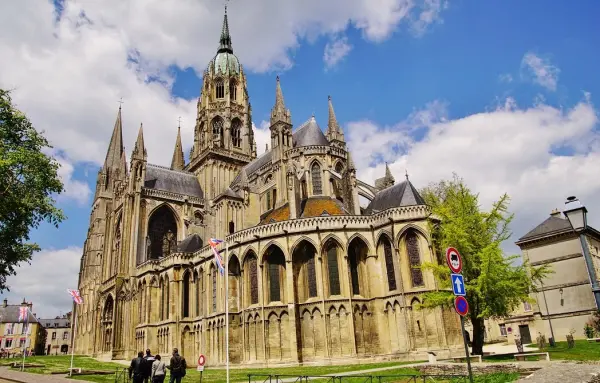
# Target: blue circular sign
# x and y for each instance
(461, 305)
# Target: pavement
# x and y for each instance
(563, 373)
(8, 375)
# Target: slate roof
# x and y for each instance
(402, 194)
(10, 314)
(190, 244)
(161, 178)
(61, 323)
(552, 224)
(309, 134)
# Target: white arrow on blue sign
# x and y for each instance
(458, 284)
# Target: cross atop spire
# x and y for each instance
(225, 40)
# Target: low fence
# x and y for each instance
(122, 375)
(404, 378)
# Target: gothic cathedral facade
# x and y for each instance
(312, 275)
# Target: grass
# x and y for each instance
(583, 351)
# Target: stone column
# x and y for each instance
(289, 274)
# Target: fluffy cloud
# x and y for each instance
(335, 51)
(45, 281)
(76, 190)
(543, 72)
(538, 155)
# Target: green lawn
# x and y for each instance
(583, 350)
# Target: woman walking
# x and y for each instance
(159, 370)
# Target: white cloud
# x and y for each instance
(509, 149)
(505, 77)
(262, 136)
(73, 189)
(543, 72)
(45, 281)
(335, 51)
(429, 13)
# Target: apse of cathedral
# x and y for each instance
(312, 275)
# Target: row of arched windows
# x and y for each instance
(220, 89)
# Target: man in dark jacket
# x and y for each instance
(136, 369)
(148, 360)
(177, 367)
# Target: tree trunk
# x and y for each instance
(478, 335)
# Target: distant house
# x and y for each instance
(58, 334)
(20, 335)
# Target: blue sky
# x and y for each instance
(501, 92)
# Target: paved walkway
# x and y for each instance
(26, 377)
(563, 373)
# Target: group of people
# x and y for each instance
(151, 369)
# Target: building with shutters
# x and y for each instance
(313, 276)
(58, 335)
(19, 335)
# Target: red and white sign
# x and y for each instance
(201, 362)
(454, 260)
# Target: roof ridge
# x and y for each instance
(307, 123)
(172, 170)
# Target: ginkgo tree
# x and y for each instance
(496, 283)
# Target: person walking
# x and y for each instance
(136, 369)
(148, 362)
(159, 370)
(177, 366)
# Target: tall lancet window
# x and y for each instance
(414, 258)
(219, 89)
(389, 263)
(233, 90)
(317, 184)
(217, 129)
(236, 133)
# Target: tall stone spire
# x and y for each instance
(139, 150)
(334, 131)
(279, 112)
(114, 155)
(178, 161)
(225, 40)
(387, 180)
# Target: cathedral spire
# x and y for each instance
(279, 112)
(178, 161)
(225, 40)
(334, 132)
(115, 148)
(139, 150)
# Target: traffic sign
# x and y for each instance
(454, 260)
(201, 362)
(458, 284)
(461, 305)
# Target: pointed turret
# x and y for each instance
(387, 180)
(334, 131)
(279, 112)
(115, 151)
(139, 150)
(225, 40)
(178, 161)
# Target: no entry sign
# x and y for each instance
(454, 260)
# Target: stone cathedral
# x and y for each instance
(313, 276)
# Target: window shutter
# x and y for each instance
(27, 342)
(29, 329)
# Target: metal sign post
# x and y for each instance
(461, 305)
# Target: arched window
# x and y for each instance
(354, 271)
(185, 309)
(231, 227)
(315, 173)
(414, 258)
(234, 282)
(389, 263)
(167, 298)
(217, 130)
(268, 207)
(339, 168)
(219, 88)
(305, 278)
(198, 219)
(203, 293)
(357, 253)
(161, 286)
(198, 293)
(233, 90)
(162, 232)
(253, 278)
(333, 269)
(276, 273)
(214, 289)
(304, 190)
(236, 133)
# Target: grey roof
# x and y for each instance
(402, 194)
(309, 134)
(161, 178)
(60, 323)
(191, 244)
(10, 314)
(551, 225)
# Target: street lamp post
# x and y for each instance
(576, 213)
(552, 339)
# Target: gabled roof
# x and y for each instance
(161, 178)
(402, 194)
(10, 314)
(60, 323)
(551, 225)
(309, 134)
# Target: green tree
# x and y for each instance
(28, 179)
(495, 283)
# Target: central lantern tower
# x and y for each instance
(223, 137)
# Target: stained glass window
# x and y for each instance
(334, 275)
(315, 172)
(389, 264)
(274, 288)
(354, 271)
(253, 280)
(312, 277)
(414, 258)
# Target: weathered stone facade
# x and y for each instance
(312, 275)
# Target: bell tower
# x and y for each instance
(223, 136)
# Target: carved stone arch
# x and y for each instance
(217, 130)
(315, 310)
(257, 317)
(384, 233)
(294, 247)
(362, 238)
(389, 306)
(332, 310)
(249, 250)
(317, 187)
(250, 317)
(266, 249)
(306, 311)
(364, 308)
(415, 301)
(416, 228)
(329, 239)
(282, 313)
(272, 313)
(268, 178)
(164, 228)
(153, 281)
(339, 167)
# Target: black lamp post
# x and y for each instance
(576, 213)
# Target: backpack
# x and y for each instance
(183, 366)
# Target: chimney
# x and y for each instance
(30, 305)
(5, 302)
(556, 213)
